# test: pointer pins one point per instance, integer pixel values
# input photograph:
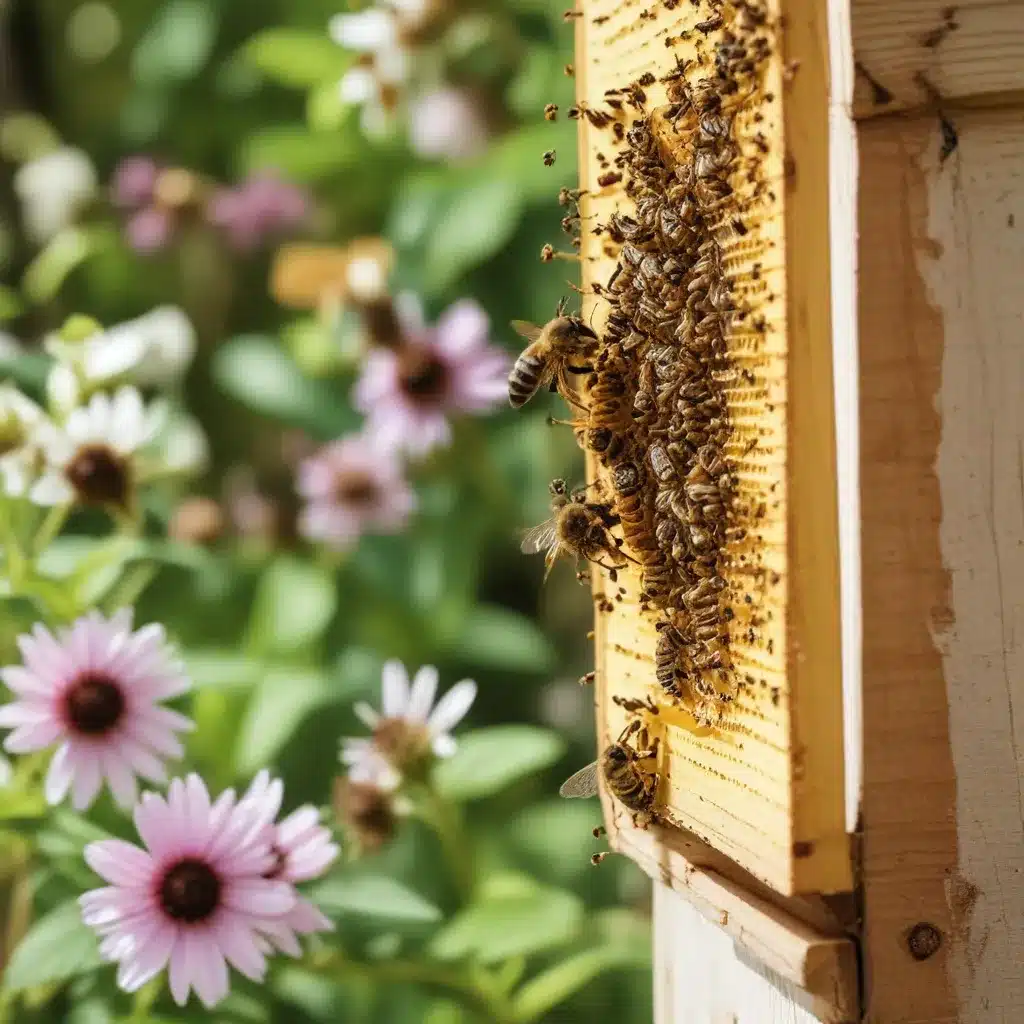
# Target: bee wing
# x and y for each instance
(531, 332)
(539, 538)
(581, 784)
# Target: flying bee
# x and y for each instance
(577, 527)
(564, 344)
(632, 786)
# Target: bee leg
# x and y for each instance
(561, 384)
(582, 369)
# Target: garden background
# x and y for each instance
(485, 905)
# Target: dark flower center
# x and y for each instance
(366, 811)
(356, 488)
(94, 704)
(382, 323)
(423, 377)
(190, 891)
(99, 475)
(404, 744)
(280, 862)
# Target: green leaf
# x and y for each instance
(325, 110)
(377, 896)
(479, 221)
(558, 983)
(415, 208)
(25, 136)
(64, 252)
(490, 759)
(298, 153)
(498, 928)
(222, 670)
(57, 947)
(10, 304)
(495, 637)
(278, 706)
(27, 369)
(177, 43)
(255, 371)
(294, 603)
(17, 805)
(296, 57)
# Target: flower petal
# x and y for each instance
(394, 689)
(421, 700)
(452, 707)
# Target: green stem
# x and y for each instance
(49, 528)
(470, 989)
(447, 822)
(145, 999)
(17, 564)
(129, 588)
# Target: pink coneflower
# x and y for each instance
(409, 729)
(257, 210)
(303, 850)
(150, 229)
(134, 182)
(96, 689)
(409, 392)
(350, 489)
(196, 897)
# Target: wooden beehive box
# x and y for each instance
(765, 787)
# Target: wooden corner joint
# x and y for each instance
(820, 960)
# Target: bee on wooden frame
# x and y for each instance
(619, 765)
(577, 527)
(562, 345)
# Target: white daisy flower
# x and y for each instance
(153, 350)
(93, 457)
(53, 189)
(20, 420)
(409, 730)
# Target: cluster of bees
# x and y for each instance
(652, 397)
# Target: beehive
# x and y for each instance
(764, 784)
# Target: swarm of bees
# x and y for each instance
(651, 404)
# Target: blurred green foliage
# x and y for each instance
(281, 640)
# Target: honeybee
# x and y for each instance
(563, 344)
(666, 658)
(633, 786)
(577, 527)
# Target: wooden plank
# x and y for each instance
(941, 247)
(766, 786)
(843, 172)
(707, 979)
(819, 962)
(970, 52)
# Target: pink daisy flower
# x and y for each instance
(196, 897)
(257, 209)
(408, 393)
(96, 690)
(351, 488)
(303, 850)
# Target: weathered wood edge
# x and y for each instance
(820, 960)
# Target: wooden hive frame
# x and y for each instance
(918, 104)
(766, 787)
